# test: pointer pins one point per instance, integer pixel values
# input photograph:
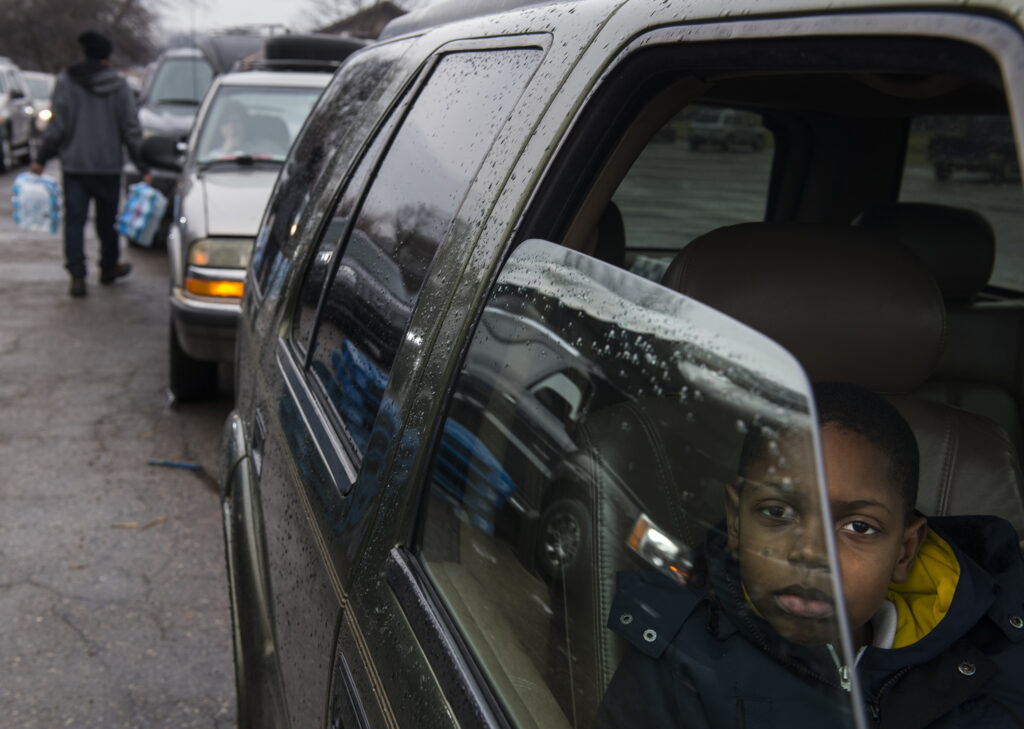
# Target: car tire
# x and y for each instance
(563, 537)
(6, 150)
(190, 379)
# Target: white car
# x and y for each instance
(241, 137)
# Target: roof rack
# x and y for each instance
(302, 52)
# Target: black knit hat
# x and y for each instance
(95, 45)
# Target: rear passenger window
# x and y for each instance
(376, 273)
(970, 161)
(709, 166)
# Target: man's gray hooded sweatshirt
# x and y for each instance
(94, 115)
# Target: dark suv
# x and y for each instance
(503, 343)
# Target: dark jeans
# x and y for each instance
(78, 190)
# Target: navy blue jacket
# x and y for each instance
(700, 658)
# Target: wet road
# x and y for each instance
(113, 597)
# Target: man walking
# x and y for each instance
(94, 116)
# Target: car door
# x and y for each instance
(21, 102)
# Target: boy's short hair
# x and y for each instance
(858, 410)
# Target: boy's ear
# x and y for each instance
(913, 537)
(732, 518)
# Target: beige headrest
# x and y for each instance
(850, 305)
(958, 246)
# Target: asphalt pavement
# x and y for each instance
(113, 597)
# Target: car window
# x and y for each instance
(40, 88)
(327, 137)
(583, 470)
(709, 166)
(180, 81)
(970, 161)
(406, 212)
(256, 122)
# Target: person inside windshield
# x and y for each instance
(231, 131)
(934, 606)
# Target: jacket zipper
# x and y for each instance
(844, 671)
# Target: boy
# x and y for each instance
(937, 627)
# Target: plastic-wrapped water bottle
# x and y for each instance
(38, 203)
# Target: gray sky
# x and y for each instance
(216, 14)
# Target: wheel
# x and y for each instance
(563, 536)
(191, 379)
(6, 151)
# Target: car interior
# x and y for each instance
(837, 240)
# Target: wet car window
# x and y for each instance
(970, 161)
(253, 123)
(327, 136)
(602, 433)
(709, 166)
(407, 211)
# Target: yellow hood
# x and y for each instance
(924, 599)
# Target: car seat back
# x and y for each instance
(853, 307)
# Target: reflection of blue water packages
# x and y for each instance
(356, 389)
(469, 477)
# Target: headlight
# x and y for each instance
(45, 114)
(216, 267)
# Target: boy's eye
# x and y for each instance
(778, 511)
(859, 527)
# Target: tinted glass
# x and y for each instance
(709, 166)
(329, 133)
(602, 433)
(180, 81)
(970, 161)
(408, 209)
(256, 122)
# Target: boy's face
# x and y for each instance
(776, 532)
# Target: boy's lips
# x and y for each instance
(805, 602)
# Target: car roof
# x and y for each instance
(285, 79)
(498, 13)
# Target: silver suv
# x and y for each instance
(16, 115)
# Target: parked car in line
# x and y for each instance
(16, 115)
(502, 339)
(726, 129)
(171, 94)
(40, 86)
(240, 138)
(974, 144)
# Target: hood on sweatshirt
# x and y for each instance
(94, 76)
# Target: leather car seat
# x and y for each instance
(852, 306)
(958, 246)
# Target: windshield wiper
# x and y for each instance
(244, 160)
(184, 102)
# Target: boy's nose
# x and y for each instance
(807, 547)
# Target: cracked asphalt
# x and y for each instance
(113, 596)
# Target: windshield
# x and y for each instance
(181, 81)
(39, 88)
(253, 122)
